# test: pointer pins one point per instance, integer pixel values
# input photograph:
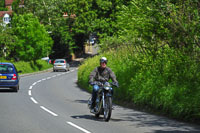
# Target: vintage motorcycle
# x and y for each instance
(103, 103)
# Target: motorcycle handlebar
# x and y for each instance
(101, 84)
(98, 83)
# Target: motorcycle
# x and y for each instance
(103, 103)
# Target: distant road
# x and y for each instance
(95, 49)
(52, 102)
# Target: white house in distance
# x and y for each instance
(5, 16)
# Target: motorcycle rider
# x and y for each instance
(101, 73)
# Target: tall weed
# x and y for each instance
(168, 82)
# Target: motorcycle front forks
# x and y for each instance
(103, 99)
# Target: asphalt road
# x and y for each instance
(52, 102)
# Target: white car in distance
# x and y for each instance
(60, 64)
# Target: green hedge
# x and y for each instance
(168, 83)
(29, 67)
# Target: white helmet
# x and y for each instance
(103, 59)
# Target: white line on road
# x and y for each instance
(47, 110)
(30, 87)
(39, 81)
(29, 92)
(35, 83)
(33, 100)
(43, 79)
(80, 128)
(48, 77)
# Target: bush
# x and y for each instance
(168, 82)
(29, 67)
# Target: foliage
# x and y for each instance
(2, 6)
(84, 18)
(16, 8)
(3, 9)
(2, 3)
(50, 13)
(7, 41)
(151, 24)
(31, 66)
(168, 83)
(33, 40)
(154, 51)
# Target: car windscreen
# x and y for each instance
(60, 61)
(6, 68)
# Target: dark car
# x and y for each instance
(9, 77)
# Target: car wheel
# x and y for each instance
(15, 89)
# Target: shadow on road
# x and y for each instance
(81, 101)
(89, 117)
(142, 120)
(176, 131)
(6, 90)
(145, 120)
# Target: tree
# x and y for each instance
(16, 8)
(2, 5)
(89, 16)
(33, 40)
(7, 41)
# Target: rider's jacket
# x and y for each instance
(102, 74)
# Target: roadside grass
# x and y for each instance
(167, 83)
(30, 67)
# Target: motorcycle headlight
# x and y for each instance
(107, 86)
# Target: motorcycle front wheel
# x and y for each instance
(107, 108)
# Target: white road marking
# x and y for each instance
(47, 110)
(33, 100)
(80, 128)
(29, 92)
(30, 87)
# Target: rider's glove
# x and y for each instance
(116, 84)
(91, 83)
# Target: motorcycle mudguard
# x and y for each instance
(109, 95)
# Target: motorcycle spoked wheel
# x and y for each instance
(108, 108)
